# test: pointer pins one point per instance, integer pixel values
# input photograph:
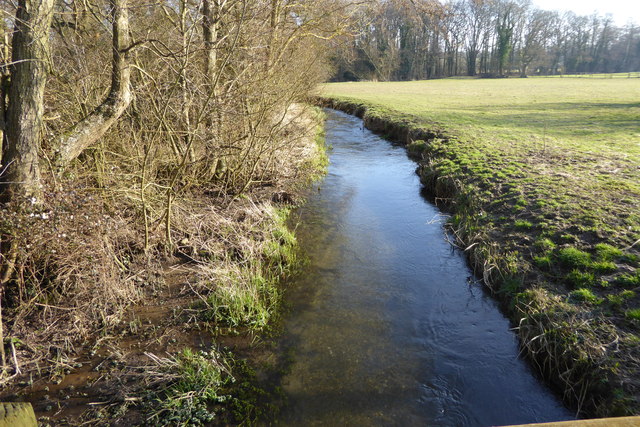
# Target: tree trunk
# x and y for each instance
(472, 56)
(26, 100)
(95, 125)
(210, 22)
(5, 60)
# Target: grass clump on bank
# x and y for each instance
(542, 180)
(246, 293)
(194, 382)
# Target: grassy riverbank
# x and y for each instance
(542, 180)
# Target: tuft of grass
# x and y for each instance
(633, 314)
(248, 293)
(511, 286)
(416, 148)
(630, 259)
(607, 252)
(522, 224)
(281, 248)
(604, 267)
(246, 298)
(545, 244)
(580, 279)
(617, 300)
(629, 280)
(585, 296)
(194, 383)
(543, 262)
(574, 258)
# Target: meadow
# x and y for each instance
(571, 141)
(541, 177)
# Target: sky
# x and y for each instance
(622, 10)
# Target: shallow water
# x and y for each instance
(388, 325)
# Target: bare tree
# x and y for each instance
(537, 30)
(476, 14)
(90, 129)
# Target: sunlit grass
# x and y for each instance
(565, 142)
(542, 177)
(583, 113)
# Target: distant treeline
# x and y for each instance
(424, 39)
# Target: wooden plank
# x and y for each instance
(599, 422)
(17, 414)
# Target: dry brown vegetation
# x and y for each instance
(167, 129)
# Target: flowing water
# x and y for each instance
(388, 326)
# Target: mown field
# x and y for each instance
(542, 177)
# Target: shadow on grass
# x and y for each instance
(562, 118)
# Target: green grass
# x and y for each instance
(584, 295)
(523, 224)
(577, 113)
(565, 150)
(607, 252)
(195, 382)
(249, 294)
(574, 258)
(580, 279)
(542, 178)
(579, 138)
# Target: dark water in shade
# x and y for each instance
(387, 325)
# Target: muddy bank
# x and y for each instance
(577, 345)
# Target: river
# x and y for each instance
(388, 326)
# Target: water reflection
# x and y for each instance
(386, 328)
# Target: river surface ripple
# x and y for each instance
(388, 326)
